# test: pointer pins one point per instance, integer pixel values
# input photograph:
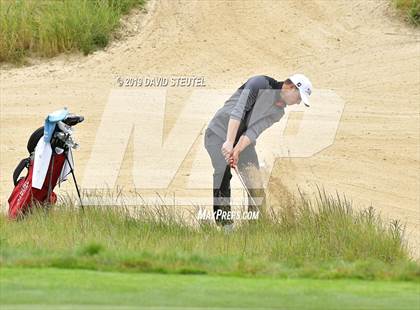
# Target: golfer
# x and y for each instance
(231, 135)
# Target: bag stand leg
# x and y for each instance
(75, 182)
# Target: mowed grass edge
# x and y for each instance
(34, 288)
(324, 239)
(47, 28)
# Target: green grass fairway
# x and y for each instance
(48, 288)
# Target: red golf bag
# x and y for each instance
(24, 196)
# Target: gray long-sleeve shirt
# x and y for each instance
(252, 103)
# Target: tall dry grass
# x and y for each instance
(47, 27)
(410, 9)
(325, 238)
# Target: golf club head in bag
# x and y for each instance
(24, 194)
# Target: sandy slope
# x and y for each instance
(359, 49)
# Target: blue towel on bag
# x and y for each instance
(51, 122)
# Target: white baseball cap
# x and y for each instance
(304, 86)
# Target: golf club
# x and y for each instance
(243, 184)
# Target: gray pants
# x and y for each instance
(248, 165)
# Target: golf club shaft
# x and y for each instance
(244, 185)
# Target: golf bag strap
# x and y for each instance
(244, 124)
(24, 163)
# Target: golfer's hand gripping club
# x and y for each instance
(233, 160)
(227, 149)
